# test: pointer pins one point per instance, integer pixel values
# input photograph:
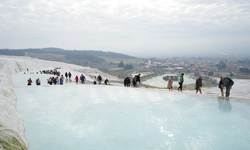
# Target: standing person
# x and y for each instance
(76, 78)
(94, 80)
(55, 80)
(170, 84)
(82, 78)
(134, 81)
(99, 79)
(69, 75)
(180, 80)
(138, 80)
(198, 84)
(221, 86)
(38, 81)
(61, 80)
(66, 75)
(228, 83)
(29, 81)
(106, 82)
(58, 80)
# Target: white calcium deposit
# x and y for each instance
(9, 116)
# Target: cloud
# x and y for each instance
(88, 22)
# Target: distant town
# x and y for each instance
(209, 66)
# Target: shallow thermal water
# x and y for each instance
(159, 82)
(104, 118)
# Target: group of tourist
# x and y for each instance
(59, 79)
(82, 79)
(38, 81)
(56, 80)
(136, 82)
(99, 79)
(224, 82)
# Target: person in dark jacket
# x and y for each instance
(66, 75)
(99, 79)
(221, 86)
(55, 80)
(134, 81)
(82, 78)
(228, 84)
(138, 80)
(127, 81)
(198, 84)
(69, 75)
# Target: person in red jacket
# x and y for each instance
(76, 78)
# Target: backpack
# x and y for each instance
(231, 82)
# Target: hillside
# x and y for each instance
(78, 57)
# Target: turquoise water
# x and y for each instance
(116, 118)
(159, 82)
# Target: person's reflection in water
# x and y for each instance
(224, 105)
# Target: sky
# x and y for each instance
(141, 28)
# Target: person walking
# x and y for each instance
(99, 79)
(221, 86)
(138, 80)
(76, 78)
(180, 80)
(198, 84)
(61, 80)
(66, 75)
(58, 80)
(69, 75)
(29, 81)
(170, 83)
(134, 81)
(82, 78)
(228, 83)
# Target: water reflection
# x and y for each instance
(159, 82)
(224, 105)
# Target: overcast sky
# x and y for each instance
(142, 28)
